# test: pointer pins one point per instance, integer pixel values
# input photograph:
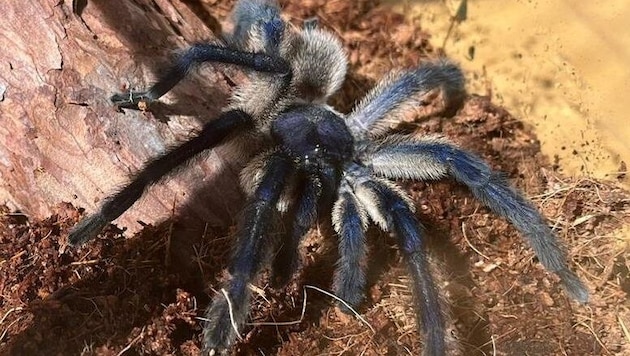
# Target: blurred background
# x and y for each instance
(560, 66)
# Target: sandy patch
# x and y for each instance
(560, 66)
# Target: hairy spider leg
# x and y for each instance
(384, 106)
(255, 44)
(212, 134)
(315, 201)
(302, 216)
(434, 158)
(350, 222)
(226, 314)
(260, 19)
(199, 53)
(388, 206)
(329, 177)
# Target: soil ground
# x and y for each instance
(144, 294)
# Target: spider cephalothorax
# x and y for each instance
(313, 161)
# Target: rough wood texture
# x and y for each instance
(61, 140)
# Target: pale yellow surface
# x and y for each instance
(561, 66)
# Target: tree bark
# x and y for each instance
(61, 140)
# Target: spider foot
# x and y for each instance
(224, 318)
(351, 302)
(87, 229)
(132, 100)
(573, 286)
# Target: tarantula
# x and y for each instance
(316, 161)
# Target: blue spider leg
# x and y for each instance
(199, 53)
(329, 178)
(436, 158)
(316, 198)
(303, 215)
(260, 18)
(382, 107)
(212, 134)
(224, 315)
(388, 206)
(350, 223)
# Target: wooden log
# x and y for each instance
(61, 139)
